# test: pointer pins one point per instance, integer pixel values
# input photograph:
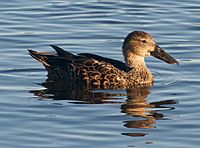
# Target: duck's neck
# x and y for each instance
(135, 61)
(140, 73)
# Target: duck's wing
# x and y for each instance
(118, 64)
(62, 53)
(85, 67)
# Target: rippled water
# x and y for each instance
(38, 114)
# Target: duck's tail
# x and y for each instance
(40, 56)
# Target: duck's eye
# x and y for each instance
(144, 41)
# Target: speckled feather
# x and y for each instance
(82, 69)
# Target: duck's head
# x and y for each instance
(141, 44)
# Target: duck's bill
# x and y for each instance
(162, 55)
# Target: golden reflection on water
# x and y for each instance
(134, 102)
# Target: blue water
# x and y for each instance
(35, 115)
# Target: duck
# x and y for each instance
(94, 70)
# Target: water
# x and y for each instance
(35, 115)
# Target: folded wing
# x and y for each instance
(83, 68)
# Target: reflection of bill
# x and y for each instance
(137, 106)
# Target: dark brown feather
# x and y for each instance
(81, 68)
(118, 64)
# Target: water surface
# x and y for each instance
(38, 114)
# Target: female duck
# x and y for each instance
(94, 70)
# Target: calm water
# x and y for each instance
(51, 115)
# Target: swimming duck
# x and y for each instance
(94, 70)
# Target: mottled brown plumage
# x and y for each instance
(93, 70)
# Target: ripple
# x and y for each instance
(167, 79)
(22, 70)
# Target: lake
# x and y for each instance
(34, 113)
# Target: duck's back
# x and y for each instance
(87, 69)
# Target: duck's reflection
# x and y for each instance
(137, 105)
(133, 102)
